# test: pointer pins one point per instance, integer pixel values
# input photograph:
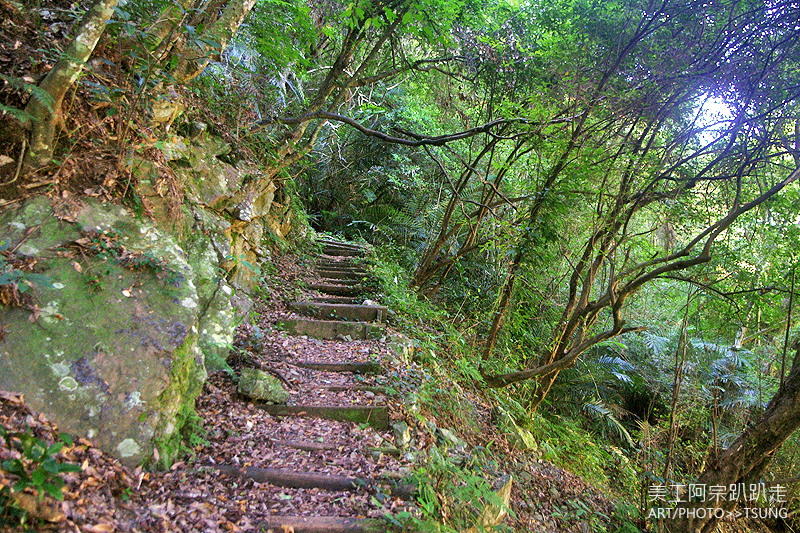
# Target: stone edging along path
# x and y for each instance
(330, 385)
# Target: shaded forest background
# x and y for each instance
(594, 205)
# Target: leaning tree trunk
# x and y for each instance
(747, 457)
(45, 116)
(213, 41)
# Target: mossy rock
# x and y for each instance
(111, 353)
(259, 385)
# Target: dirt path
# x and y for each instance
(326, 456)
(324, 460)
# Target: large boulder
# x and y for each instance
(110, 351)
(116, 349)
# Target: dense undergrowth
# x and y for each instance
(451, 392)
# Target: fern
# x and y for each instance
(598, 411)
(36, 92)
(656, 343)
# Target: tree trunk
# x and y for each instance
(169, 18)
(193, 62)
(43, 118)
(677, 381)
(747, 457)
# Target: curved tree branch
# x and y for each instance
(417, 140)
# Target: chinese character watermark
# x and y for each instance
(754, 500)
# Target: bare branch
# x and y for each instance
(417, 140)
(421, 65)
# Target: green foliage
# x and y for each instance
(579, 511)
(19, 281)
(37, 466)
(35, 91)
(564, 443)
(192, 435)
(241, 262)
(451, 495)
(625, 518)
(411, 311)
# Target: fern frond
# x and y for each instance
(656, 343)
(36, 92)
(600, 412)
(17, 114)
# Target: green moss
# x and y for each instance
(176, 403)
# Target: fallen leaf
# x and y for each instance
(100, 528)
(45, 509)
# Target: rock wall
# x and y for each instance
(117, 348)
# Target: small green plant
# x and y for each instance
(451, 496)
(37, 467)
(193, 436)
(242, 262)
(625, 517)
(15, 282)
(578, 510)
(105, 245)
(34, 90)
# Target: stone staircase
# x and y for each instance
(340, 316)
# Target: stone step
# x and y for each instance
(376, 389)
(354, 367)
(341, 282)
(337, 299)
(321, 524)
(341, 251)
(352, 312)
(376, 416)
(337, 289)
(342, 263)
(297, 480)
(343, 244)
(304, 445)
(343, 273)
(331, 329)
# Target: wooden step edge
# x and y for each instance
(336, 305)
(307, 446)
(332, 329)
(340, 268)
(337, 289)
(282, 477)
(339, 281)
(342, 273)
(298, 480)
(354, 367)
(339, 260)
(376, 389)
(347, 247)
(327, 248)
(339, 244)
(377, 416)
(321, 524)
(337, 300)
(341, 311)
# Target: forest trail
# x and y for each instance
(331, 448)
(323, 457)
